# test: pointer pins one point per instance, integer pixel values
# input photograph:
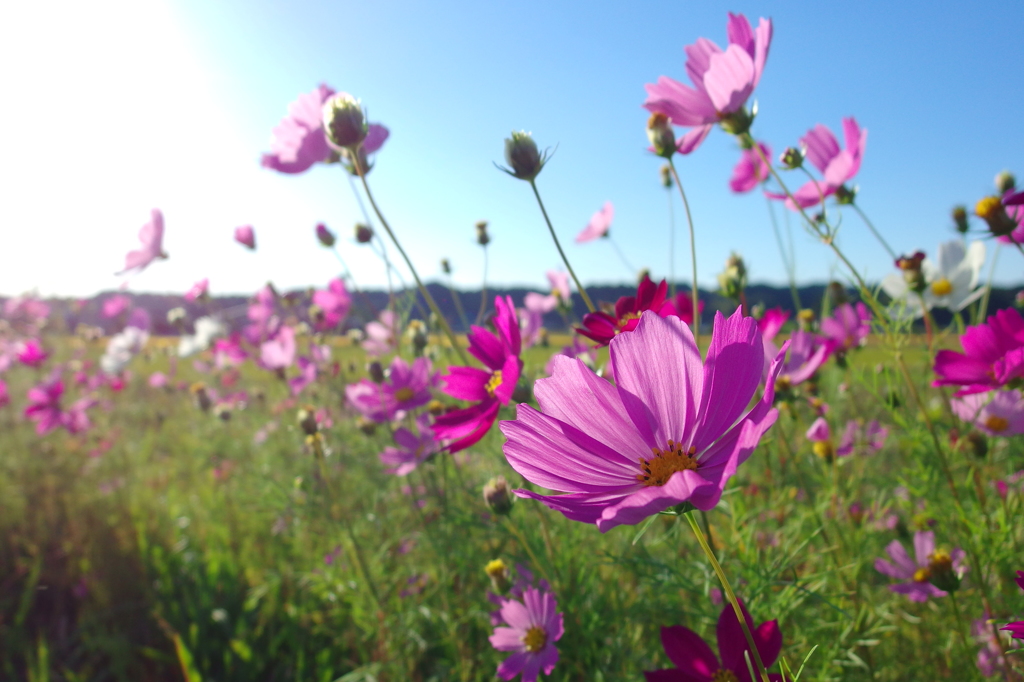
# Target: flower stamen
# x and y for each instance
(996, 424)
(665, 462)
(494, 383)
(535, 639)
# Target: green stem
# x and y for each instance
(983, 306)
(730, 595)
(483, 291)
(423, 290)
(693, 256)
(622, 256)
(786, 262)
(671, 245)
(558, 245)
(878, 235)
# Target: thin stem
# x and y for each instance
(878, 235)
(423, 290)
(730, 595)
(622, 256)
(983, 306)
(558, 245)
(960, 626)
(483, 291)
(786, 262)
(693, 256)
(458, 303)
(671, 245)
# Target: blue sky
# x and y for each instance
(127, 105)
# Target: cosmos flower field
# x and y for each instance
(316, 486)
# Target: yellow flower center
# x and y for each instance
(824, 449)
(495, 568)
(940, 562)
(625, 319)
(723, 675)
(783, 384)
(996, 424)
(988, 207)
(659, 468)
(942, 287)
(404, 393)
(922, 575)
(535, 639)
(494, 383)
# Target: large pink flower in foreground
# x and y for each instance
(533, 627)
(672, 430)
(723, 80)
(696, 662)
(152, 238)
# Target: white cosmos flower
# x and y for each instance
(207, 329)
(951, 280)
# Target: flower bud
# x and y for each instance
(733, 280)
(482, 238)
(366, 426)
(176, 316)
(824, 449)
(416, 332)
(223, 412)
(992, 211)
(522, 156)
(1005, 182)
(642, 275)
(1018, 300)
(435, 407)
(911, 267)
(497, 571)
(376, 372)
(941, 572)
(364, 234)
(661, 135)
(666, 176)
(805, 319)
(845, 195)
(200, 396)
(792, 158)
(960, 219)
(307, 420)
(837, 293)
(498, 495)
(737, 122)
(446, 267)
(325, 236)
(344, 122)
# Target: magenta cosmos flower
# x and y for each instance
(602, 327)
(599, 224)
(246, 236)
(837, 166)
(532, 628)
(696, 662)
(919, 573)
(993, 355)
(1016, 628)
(152, 238)
(44, 408)
(723, 80)
(115, 305)
(32, 354)
(334, 301)
(848, 327)
(750, 171)
(406, 388)
(869, 438)
(489, 388)
(672, 430)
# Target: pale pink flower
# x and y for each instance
(152, 237)
(599, 224)
(279, 352)
(246, 236)
(199, 290)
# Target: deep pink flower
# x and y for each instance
(382, 334)
(599, 224)
(115, 305)
(405, 388)
(31, 353)
(595, 441)
(993, 355)
(533, 627)
(152, 237)
(1016, 629)
(602, 327)
(334, 301)
(722, 81)
(412, 449)
(837, 166)
(770, 324)
(682, 307)
(750, 171)
(870, 438)
(307, 375)
(229, 352)
(1015, 210)
(199, 290)
(997, 414)
(298, 140)
(44, 406)
(246, 236)
(5, 397)
(489, 388)
(819, 431)
(919, 573)
(279, 352)
(696, 662)
(848, 327)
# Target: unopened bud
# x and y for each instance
(976, 444)
(1005, 182)
(992, 211)
(733, 280)
(497, 571)
(792, 158)
(482, 238)
(435, 407)
(344, 122)
(1018, 300)
(364, 234)
(960, 219)
(941, 571)
(376, 372)
(911, 267)
(307, 420)
(200, 396)
(325, 236)
(366, 426)
(824, 449)
(416, 332)
(522, 156)
(498, 495)
(845, 195)
(856, 512)
(661, 135)
(666, 177)
(446, 267)
(805, 318)
(837, 293)
(737, 122)
(643, 275)
(223, 412)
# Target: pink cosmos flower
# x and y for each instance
(229, 352)
(602, 327)
(870, 438)
(770, 324)
(672, 429)
(682, 307)
(696, 662)
(837, 166)
(1016, 628)
(5, 397)
(599, 224)
(115, 305)
(335, 302)
(750, 171)
(806, 355)
(246, 236)
(158, 380)
(405, 388)
(1000, 413)
(993, 355)
(31, 353)
(722, 81)
(44, 406)
(412, 449)
(26, 312)
(279, 352)
(307, 375)
(382, 334)
(918, 575)
(199, 290)
(577, 349)
(1015, 210)
(298, 140)
(152, 237)
(490, 388)
(533, 627)
(819, 431)
(848, 327)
